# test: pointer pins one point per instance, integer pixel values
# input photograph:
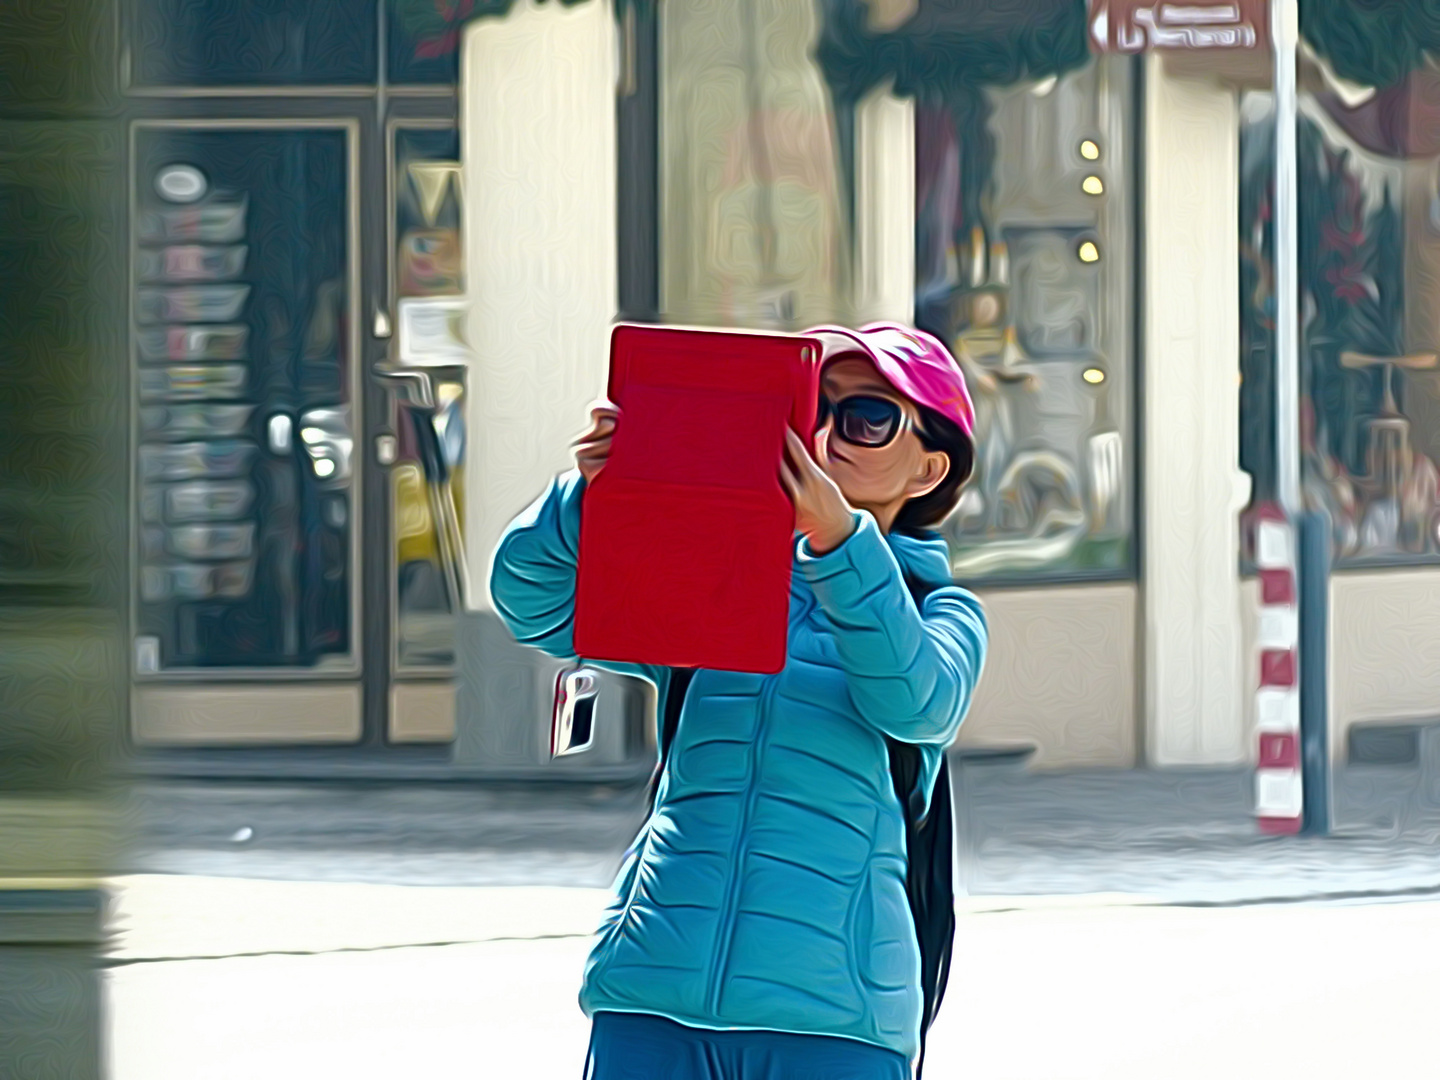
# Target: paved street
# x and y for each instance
(1047, 991)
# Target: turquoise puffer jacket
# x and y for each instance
(767, 889)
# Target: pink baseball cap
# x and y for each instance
(912, 361)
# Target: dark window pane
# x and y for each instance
(423, 38)
(242, 350)
(253, 42)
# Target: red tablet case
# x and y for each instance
(687, 536)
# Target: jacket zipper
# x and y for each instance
(732, 884)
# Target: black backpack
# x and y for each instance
(929, 844)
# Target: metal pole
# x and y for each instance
(1284, 24)
(1314, 647)
(1312, 530)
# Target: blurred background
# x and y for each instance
(301, 301)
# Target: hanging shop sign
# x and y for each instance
(1132, 26)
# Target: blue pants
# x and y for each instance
(636, 1046)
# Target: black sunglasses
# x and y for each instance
(862, 420)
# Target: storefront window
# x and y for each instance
(1024, 244)
(1369, 251)
(243, 346)
(297, 43)
(429, 285)
(1024, 266)
(257, 42)
(423, 38)
(751, 227)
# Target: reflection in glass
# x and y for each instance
(1370, 425)
(427, 478)
(426, 578)
(241, 313)
(753, 230)
(1038, 319)
(427, 212)
(423, 38)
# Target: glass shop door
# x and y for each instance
(424, 458)
(295, 238)
(245, 350)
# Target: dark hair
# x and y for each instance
(922, 514)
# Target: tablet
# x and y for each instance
(687, 536)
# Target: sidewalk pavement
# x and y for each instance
(1160, 836)
(1188, 836)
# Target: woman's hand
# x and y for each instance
(821, 512)
(592, 449)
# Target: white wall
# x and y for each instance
(1384, 649)
(1194, 678)
(538, 143)
(884, 278)
(1060, 675)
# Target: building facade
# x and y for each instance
(1082, 234)
(398, 212)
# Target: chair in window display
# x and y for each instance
(1325, 484)
(1400, 493)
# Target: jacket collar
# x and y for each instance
(926, 560)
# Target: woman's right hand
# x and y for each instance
(592, 449)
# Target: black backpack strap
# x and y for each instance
(929, 871)
(669, 721)
(929, 879)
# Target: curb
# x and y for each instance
(1004, 905)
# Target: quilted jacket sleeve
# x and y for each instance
(911, 673)
(532, 575)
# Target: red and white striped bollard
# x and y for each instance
(1279, 789)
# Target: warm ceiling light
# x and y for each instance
(1092, 185)
(1090, 150)
(1094, 376)
(1089, 252)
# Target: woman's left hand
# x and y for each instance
(822, 513)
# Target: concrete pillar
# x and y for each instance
(1194, 679)
(885, 208)
(538, 143)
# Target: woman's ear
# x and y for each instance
(930, 474)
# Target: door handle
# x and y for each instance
(414, 390)
(412, 386)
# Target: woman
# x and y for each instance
(760, 927)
